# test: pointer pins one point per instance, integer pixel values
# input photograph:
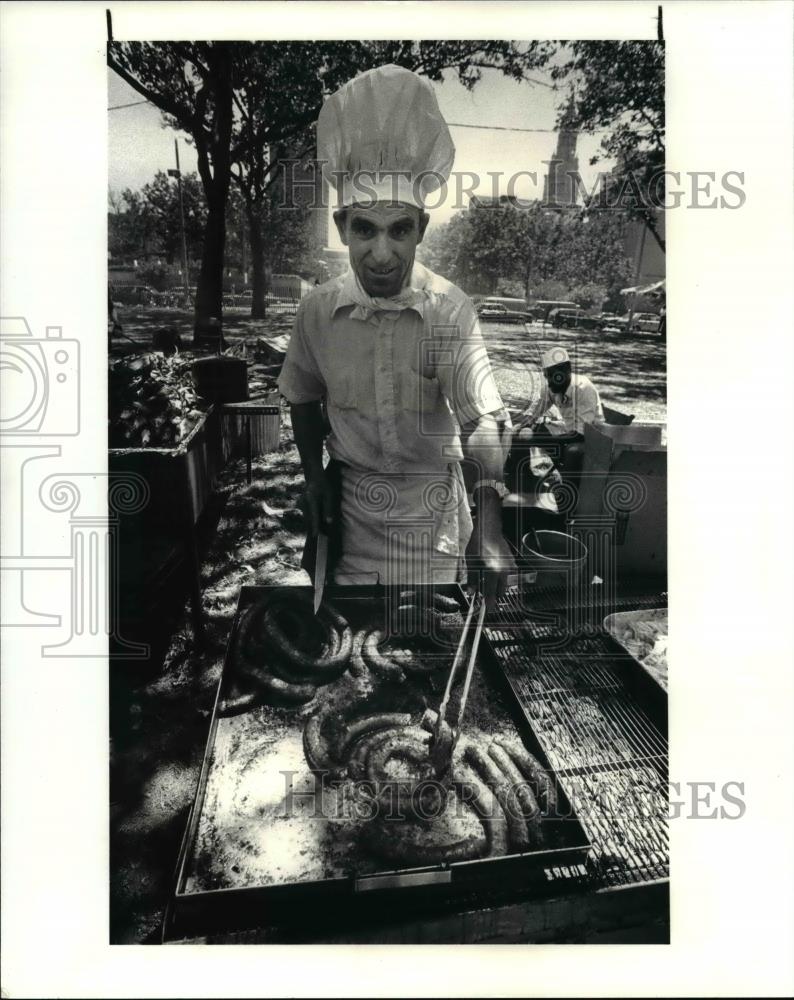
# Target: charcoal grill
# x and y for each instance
(601, 722)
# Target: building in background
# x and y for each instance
(642, 249)
(560, 186)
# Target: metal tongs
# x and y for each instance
(445, 734)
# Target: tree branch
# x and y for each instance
(181, 114)
(190, 56)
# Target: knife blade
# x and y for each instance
(320, 564)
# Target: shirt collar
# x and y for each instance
(413, 296)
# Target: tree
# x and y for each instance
(476, 248)
(192, 83)
(130, 228)
(489, 245)
(590, 249)
(275, 123)
(540, 241)
(159, 201)
(618, 87)
(240, 101)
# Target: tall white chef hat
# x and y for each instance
(382, 137)
(554, 356)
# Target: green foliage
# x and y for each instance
(147, 221)
(157, 276)
(246, 104)
(589, 295)
(551, 290)
(131, 230)
(511, 288)
(486, 248)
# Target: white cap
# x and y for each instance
(382, 137)
(554, 356)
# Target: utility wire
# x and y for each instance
(493, 128)
(509, 128)
(118, 107)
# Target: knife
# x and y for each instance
(321, 561)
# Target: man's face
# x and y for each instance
(558, 377)
(382, 239)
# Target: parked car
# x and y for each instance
(616, 324)
(640, 323)
(589, 321)
(505, 300)
(566, 318)
(496, 312)
(599, 321)
(646, 322)
(540, 310)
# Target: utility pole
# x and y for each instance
(178, 174)
(243, 262)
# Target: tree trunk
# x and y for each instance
(259, 281)
(214, 164)
(209, 293)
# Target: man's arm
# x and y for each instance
(309, 431)
(488, 554)
(588, 407)
(302, 383)
(533, 411)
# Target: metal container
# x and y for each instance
(616, 624)
(221, 379)
(551, 559)
(180, 482)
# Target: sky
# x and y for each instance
(139, 145)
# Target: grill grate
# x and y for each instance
(607, 753)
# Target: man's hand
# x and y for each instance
(489, 561)
(320, 504)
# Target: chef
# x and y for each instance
(397, 355)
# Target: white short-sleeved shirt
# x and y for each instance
(580, 405)
(398, 384)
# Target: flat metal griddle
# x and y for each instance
(262, 848)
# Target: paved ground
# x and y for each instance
(159, 721)
(630, 372)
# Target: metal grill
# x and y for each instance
(607, 752)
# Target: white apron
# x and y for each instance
(403, 529)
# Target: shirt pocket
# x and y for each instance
(343, 391)
(421, 393)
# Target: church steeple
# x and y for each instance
(560, 190)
